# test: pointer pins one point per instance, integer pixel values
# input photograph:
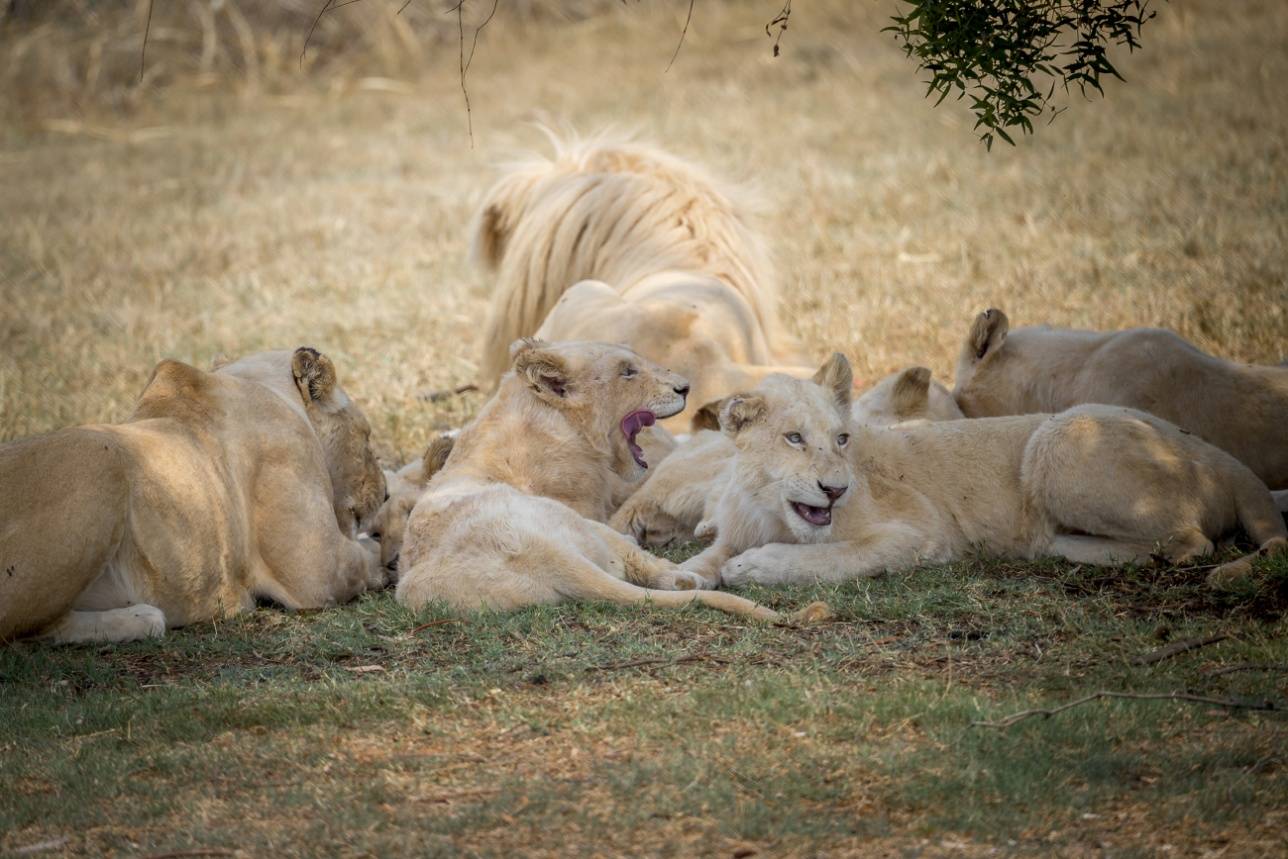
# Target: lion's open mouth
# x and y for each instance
(631, 426)
(819, 516)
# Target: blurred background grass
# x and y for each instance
(237, 199)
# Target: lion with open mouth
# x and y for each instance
(813, 496)
(516, 517)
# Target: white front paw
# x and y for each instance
(763, 566)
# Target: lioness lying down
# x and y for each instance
(222, 488)
(1240, 408)
(516, 515)
(812, 496)
(679, 497)
(622, 242)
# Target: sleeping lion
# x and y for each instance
(1240, 408)
(813, 496)
(516, 515)
(222, 488)
(625, 243)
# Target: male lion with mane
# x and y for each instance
(516, 515)
(812, 496)
(625, 243)
(222, 488)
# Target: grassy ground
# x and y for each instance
(221, 217)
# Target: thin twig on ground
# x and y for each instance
(641, 663)
(443, 393)
(183, 854)
(460, 794)
(1176, 648)
(1248, 666)
(440, 622)
(1130, 696)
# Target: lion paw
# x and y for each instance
(682, 580)
(758, 566)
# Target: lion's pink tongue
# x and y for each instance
(631, 426)
(814, 515)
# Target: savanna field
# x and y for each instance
(239, 199)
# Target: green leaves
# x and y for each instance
(1008, 56)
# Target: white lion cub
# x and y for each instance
(814, 497)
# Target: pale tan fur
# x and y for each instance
(625, 243)
(516, 516)
(405, 488)
(678, 500)
(222, 488)
(1240, 408)
(1094, 484)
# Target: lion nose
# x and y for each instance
(682, 390)
(832, 492)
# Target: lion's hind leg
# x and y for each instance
(113, 625)
(1097, 551)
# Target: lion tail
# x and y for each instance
(617, 212)
(609, 589)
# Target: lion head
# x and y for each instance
(405, 487)
(357, 483)
(983, 381)
(608, 393)
(791, 437)
(909, 395)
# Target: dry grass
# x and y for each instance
(217, 218)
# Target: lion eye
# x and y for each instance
(794, 438)
(629, 372)
(843, 439)
(375, 535)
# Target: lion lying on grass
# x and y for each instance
(222, 488)
(516, 515)
(1240, 408)
(405, 488)
(627, 244)
(811, 496)
(679, 497)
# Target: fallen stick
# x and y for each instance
(1133, 696)
(442, 394)
(439, 622)
(640, 663)
(1248, 666)
(1177, 648)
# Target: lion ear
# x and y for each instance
(707, 417)
(436, 456)
(911, 395)
(988, 333)
(741, 410)
(314, 374)
(836, 376)
(544, 371)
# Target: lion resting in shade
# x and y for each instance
(222, 488)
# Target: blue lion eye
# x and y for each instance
(628, 372)
(843, 439)
(794, 438)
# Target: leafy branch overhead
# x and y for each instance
(1009, 56)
